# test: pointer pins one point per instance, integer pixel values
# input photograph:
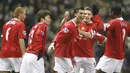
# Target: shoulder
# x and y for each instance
(113, 20)
(69, 24)
(19, 23)
(42, 26)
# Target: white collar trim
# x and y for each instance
(120, 18)
(74, 22)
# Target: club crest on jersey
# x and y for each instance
(83, 28)
(24, 32)
(66, 30)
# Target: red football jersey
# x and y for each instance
(128, 30)
(37, 39)
(64, 39)
(117, 32)
(83, 46)
(98, 23)
(12, 31)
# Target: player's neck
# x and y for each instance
(16, 19)
(75, 20)
(41, 23)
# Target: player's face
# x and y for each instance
(47, 19)
(23, 15)
(80, 15)
(87, 16)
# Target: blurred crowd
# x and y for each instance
(57, 9)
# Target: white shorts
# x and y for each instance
(63, 65)
(9, 64)
(30, 64)
(87, 64)
(109, 65)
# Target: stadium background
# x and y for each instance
(57, 8)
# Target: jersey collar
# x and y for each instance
(121, 18)
(16, 19)
(74, 22)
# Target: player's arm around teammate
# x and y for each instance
(63, 43)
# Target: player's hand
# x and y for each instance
(51, 47)
(95, 9)
(67, 15)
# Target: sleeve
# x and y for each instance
(39, 37)
(54, 40)
(43, 31)
(98, 24)
(100, 38)
(40, 33)
(22, 31)
(109, 26)
(64, 35)
(128, 28)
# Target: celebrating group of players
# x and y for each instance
(72, 45)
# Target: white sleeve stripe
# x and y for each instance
(106, 25)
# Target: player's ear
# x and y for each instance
(75, 14)
(19, 14)
(42, 19)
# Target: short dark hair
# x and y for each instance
(116, 10)
(76, 10)
(42, 14)
(88, 8)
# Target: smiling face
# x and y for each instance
(87, 16)
(79, 15)
(47, 19)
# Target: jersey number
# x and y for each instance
(7, 34)
(124, 33)
(31, 36)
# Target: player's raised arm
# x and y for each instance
(66, 17)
